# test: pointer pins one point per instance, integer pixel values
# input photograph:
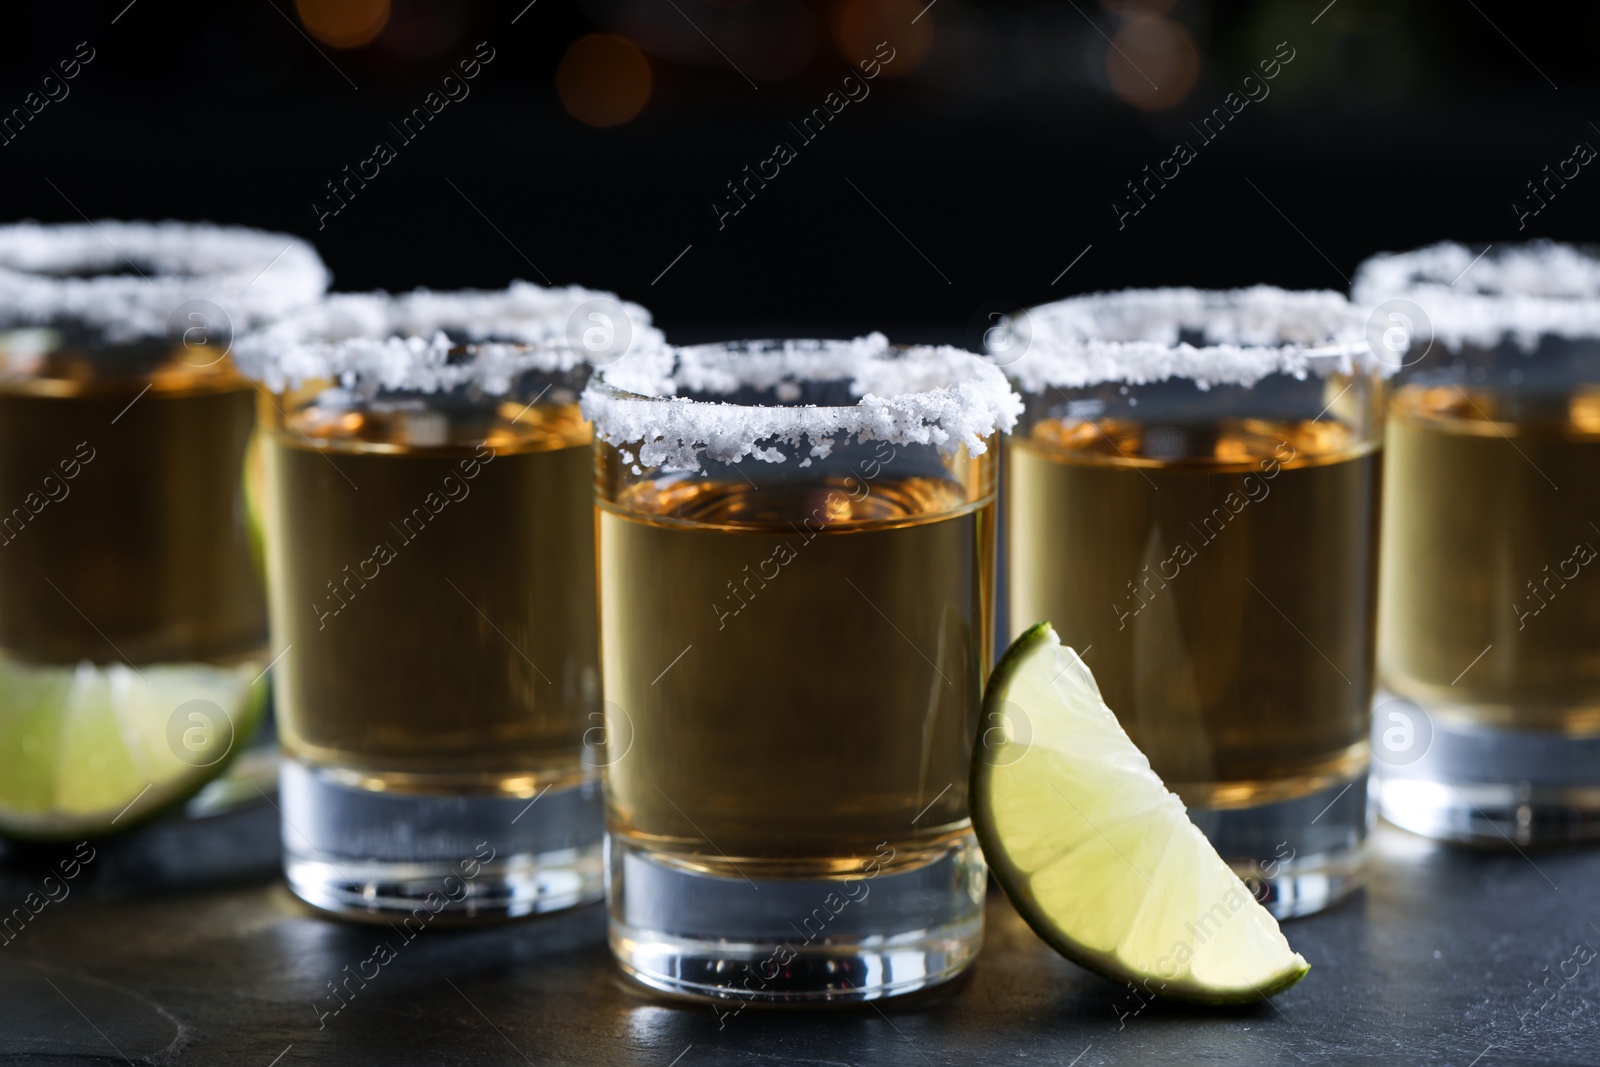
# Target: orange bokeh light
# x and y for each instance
(343, 23)
(1152, 63)
(862, 25)
(603, 80)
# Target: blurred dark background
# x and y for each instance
(982, 163)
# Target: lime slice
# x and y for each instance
(1097, 855)
(89, 750)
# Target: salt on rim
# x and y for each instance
(938, 396)
(1520, 292)
(1135, 337)
(428, 341)
(252, 275)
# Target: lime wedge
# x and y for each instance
(90, 750)
(1097, 855)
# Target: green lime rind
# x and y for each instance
(1018, 884)
(89, 751)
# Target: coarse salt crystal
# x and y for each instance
(1520, 292)
(942, 397)
(1213, 337)
(427, 341)
(128, 279)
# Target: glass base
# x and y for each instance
(1476, 813)
(365, 854)
(1297, 856)
(1485, 785)
(797, 940)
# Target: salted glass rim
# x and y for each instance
(905, 394)
(430, 340)
(1485, 294)
(1137, 337)
(133, 280)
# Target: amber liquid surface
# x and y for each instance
(1225, 600)
(124, 531)
(1491, 581)
(439, 597)
(794, 673)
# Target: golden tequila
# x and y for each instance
(432, 576)
(796, 669)
(1224, 599)
(1491, 602)
(124, 527)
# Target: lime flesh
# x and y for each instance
(1097, 855)
(94, 749)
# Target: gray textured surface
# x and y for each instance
(179, 945)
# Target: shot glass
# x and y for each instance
(1487, 725)
(430, 546)
(796, 554)
(1192, 501)
(128, 583)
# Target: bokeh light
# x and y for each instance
(603, 80)
(861, 26)
(343, 23)
(1152, 63)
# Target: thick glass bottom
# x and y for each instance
(1297, 856)
(798, 940)
(367, 854)
(1484, 785)
(1477, 813)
